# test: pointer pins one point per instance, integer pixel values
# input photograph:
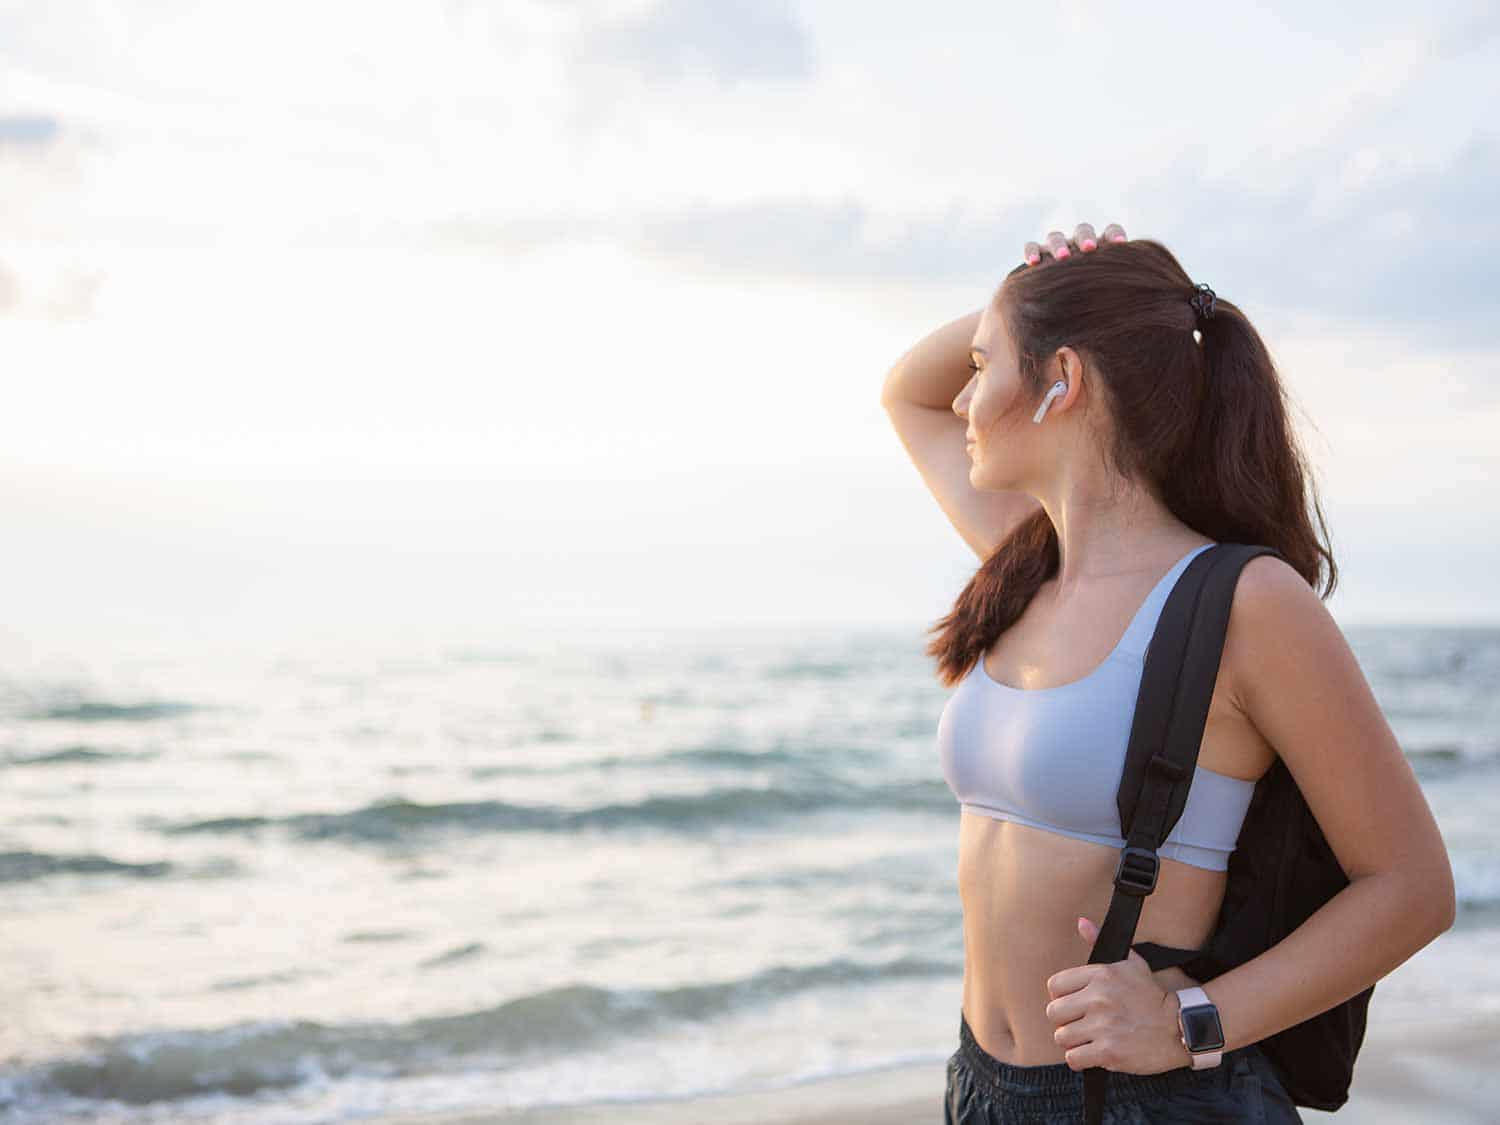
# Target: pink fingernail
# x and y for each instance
(1033, 259)
(1062, 252)
(1117, 238)
(1087, 244)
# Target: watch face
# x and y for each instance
(1201, 1028)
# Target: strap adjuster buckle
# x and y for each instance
(1135, 874)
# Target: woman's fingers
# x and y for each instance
(1061, 248)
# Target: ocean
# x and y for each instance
(320, 883)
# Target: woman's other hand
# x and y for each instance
(1114, 1015)
(1083, 241)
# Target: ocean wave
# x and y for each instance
(812, 670)
(94, 711)
(244, 1060)
(391, 820)
(457, 953)
(22, 867)
(721, 757)
(17, 867)
(73, 754)
(25, 866)
(362, 936)
(1439, 752)
(1443, 760)
(239, 984)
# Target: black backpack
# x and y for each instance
(1281, 870)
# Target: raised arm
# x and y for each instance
(918, 396)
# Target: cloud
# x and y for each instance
(1477, 28)
(1333, 205)
(732, 41)
(10, 291)
(789, 237)
(834, 240)
(1376, 250)
(717, 137)
(1367, 253)
(20, 131)
(65, 294)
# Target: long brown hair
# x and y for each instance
(1203, 426)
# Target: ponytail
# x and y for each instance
(1245, 478)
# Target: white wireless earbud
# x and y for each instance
(1058, 388)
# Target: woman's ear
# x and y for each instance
(1070, 371)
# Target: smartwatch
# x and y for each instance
(1198, 1020)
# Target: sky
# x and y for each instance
(441, 321)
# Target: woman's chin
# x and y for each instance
(984, 481)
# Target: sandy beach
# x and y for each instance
(1411, 1073)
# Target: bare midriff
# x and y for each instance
(1022, 890)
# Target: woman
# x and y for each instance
(1088, 432)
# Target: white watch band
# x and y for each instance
(1186, 997)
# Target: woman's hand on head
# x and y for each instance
(1083, 240)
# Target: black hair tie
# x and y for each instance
(1202, 301)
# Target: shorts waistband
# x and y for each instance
(1057, 1086)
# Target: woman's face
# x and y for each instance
(997, 410)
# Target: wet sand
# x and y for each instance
(1439, 1072)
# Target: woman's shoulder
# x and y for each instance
(1271, 578)
(1274, 609)
(1267, 582)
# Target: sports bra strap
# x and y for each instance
(1143, 624)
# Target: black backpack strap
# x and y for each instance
(1177, 684)
(1161, 957)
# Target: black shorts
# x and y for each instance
(983, 1090)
